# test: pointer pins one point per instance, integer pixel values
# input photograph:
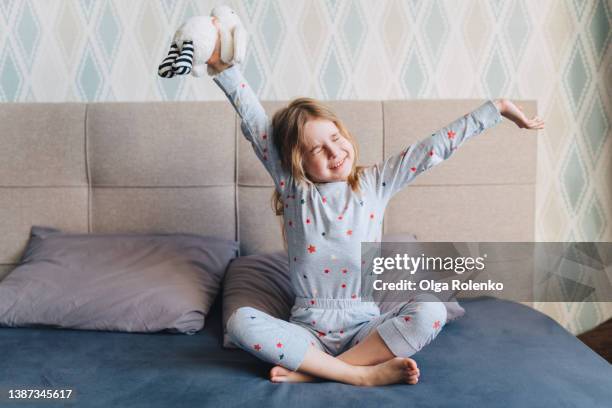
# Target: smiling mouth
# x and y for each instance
(340, 163)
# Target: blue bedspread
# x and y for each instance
(500, 354)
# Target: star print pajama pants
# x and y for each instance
(335, 326)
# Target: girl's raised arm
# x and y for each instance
(397, 171)
(254, 122)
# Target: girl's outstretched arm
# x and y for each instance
(255, 125)
(397, 171)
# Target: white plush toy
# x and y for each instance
(194, 42)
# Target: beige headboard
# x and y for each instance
(185, 167)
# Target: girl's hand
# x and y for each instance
(215, 59)
(515, 114)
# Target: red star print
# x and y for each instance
(339, 217)
(307, 220)
(344, 270)
(264, 136)
(353, 296)
(290, 223)
(324, 200)
(372, 216)
(436, 324)
(282, 183)
(257, 347)
(431, 152)
(451, 134)
(341, 331)
(312, 249)
(279, 344)
(344, 285)
(312, 302)
(326, 271)
(320, 333)
(242, 85)
(407, 318)
(349, 232)
(413, 168)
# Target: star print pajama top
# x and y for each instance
(325, 225)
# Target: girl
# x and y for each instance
(329, 206)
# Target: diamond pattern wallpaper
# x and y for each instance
(554, 51)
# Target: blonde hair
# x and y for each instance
(290, 141)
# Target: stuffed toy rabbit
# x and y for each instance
(194, 43)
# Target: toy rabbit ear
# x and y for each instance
(165, 68)
(240, 41)
(182, 65)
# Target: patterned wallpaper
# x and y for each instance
(554, 51)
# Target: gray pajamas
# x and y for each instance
(325, 225)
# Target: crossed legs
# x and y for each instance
(389, 339)
(370, 362)
(379, 353)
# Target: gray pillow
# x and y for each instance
(115, 282)
(262, 281)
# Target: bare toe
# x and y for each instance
(411, 371)
(416, 372)
(278, 371)
(410, 364)
(282, 374)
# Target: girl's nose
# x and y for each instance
(333, 152)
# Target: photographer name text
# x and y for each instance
(432, 285)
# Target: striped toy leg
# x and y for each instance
(182, 65)
(165, 68)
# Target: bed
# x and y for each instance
(500, 354)
(183, 166)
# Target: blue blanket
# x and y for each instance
(501, 354)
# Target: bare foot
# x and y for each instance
(396, 370)
(282, 374)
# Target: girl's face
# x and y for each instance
(328, 155)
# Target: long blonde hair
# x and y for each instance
(289, 139)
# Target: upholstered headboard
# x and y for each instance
(185, 167)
